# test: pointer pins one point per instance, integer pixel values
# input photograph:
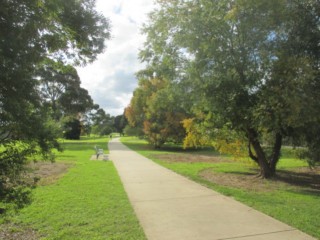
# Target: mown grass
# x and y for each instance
(298, 207)
(88, 202)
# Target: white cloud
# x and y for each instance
(111, 80)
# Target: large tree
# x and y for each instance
(31, 31)
(69, 31)
(60, 90)
(254, 65)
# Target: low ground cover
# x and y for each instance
(292, 196)
(84, 200)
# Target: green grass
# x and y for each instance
(88, 202)
(298, 207)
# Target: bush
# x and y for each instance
(15, 188)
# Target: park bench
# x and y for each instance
(99, 151)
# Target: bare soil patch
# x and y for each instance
(189, 158)
(16, 232)
(303, 179)
(236, 180)
(47, 172)
(299, 179)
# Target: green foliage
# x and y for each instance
(133, 131)
(120, 122)
(13, 187)
(60, 89)
(17, 149)
(309, 138)
(102, 123)
(72, 129)
(102, 130)
(32, 32)
(251, 64)
(17, 196)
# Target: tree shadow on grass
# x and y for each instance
(301, 177)
(308, 180)
(300, 180)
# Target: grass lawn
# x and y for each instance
(293, 197)
(87, 202)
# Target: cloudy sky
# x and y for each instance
(111, 80)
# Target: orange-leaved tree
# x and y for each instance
(154, 109)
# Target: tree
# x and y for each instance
(60, 90)
(72, 129)
(153, 108)
(135, 111)
(86, 119)
(32, 31)
(250, 64)
(302, 51)
(120, 123)
(102, 123)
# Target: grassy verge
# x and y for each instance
(88, 202)
(293, 204)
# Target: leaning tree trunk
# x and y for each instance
(267, 166)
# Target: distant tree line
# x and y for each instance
(98, 122)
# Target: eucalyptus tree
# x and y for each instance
(254, 65)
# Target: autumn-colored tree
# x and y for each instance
(153, 108)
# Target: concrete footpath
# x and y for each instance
(171, 207)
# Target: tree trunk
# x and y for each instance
(260, 158)
(276, 152)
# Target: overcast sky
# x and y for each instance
(111, 80)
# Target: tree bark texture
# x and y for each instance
(267, 165)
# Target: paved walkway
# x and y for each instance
(171, 207)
